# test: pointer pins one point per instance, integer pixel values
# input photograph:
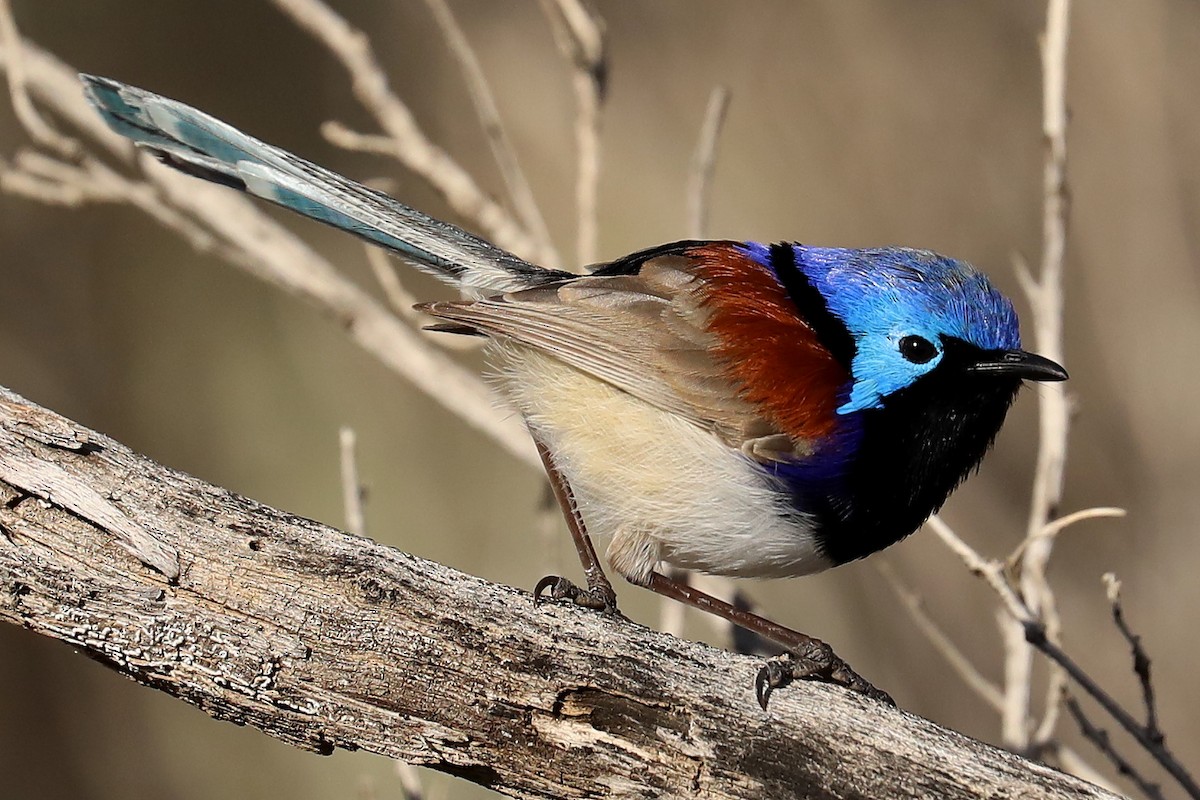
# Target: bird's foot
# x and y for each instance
(813, 661)
(599, 598)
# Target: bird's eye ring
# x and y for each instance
(917, 349)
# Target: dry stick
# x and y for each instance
(1034, 632)
(704, 162)
(1100, 738)
(988, 691)
(50, 180)
(489, 117)
(284, 259)
(409, 144)
(579, 33)
(1046, 300)
(1068, 759)
(1141, 661)
(30, 119)
(1056, 685)
(411, 787)
(352, 488)
(1059, 525)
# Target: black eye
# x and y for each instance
(917, 349)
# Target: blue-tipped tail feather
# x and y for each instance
(200, 145)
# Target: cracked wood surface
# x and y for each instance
(326, 640)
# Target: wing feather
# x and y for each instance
(645, 334)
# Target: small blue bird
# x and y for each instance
(729, 407)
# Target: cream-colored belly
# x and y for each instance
(657, 487)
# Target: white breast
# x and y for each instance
(659, 487)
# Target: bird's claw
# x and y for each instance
(598, 598)
(813, 661)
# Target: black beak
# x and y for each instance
(1018, 364)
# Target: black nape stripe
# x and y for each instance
(810, 304)
(632, 263)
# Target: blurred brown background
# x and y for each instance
(857, 123)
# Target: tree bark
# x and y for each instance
(326, 640)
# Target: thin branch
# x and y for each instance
(991, 571)
(704, 162)
(1100, 738)
(1045, 296)
(352, 488)
(48, 179)
(240, 232)
(213, 218)
(409, 144)
(503, 152)
(281, 258)
(1036, 635)
(1141, 660)
(411, 787)
(579, 32)
(1055, 527)
(987, 690)
(40, 130)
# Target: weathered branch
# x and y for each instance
(327, 640)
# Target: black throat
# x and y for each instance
(912, 453)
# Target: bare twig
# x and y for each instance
(1057, 526)
(579, 32)
(285, 260)
(409, 144)
(1141, 661)
(48, 179)
(1100, 738)
(704, 162)
(1035, 632)
(410, 781)
(1045, 295)
(26, 112)
(352, 489)
(991, 571)
(503, 152)
(987, 690)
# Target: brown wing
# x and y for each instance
(646, 334)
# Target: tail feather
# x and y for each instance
(200, 145)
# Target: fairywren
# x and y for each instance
(730, 407)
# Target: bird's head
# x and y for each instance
(916, 361)
(895, 316)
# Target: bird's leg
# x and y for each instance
(599, 593)
(806, 657)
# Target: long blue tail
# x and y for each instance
(193, 142)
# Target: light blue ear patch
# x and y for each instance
(879, 369)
